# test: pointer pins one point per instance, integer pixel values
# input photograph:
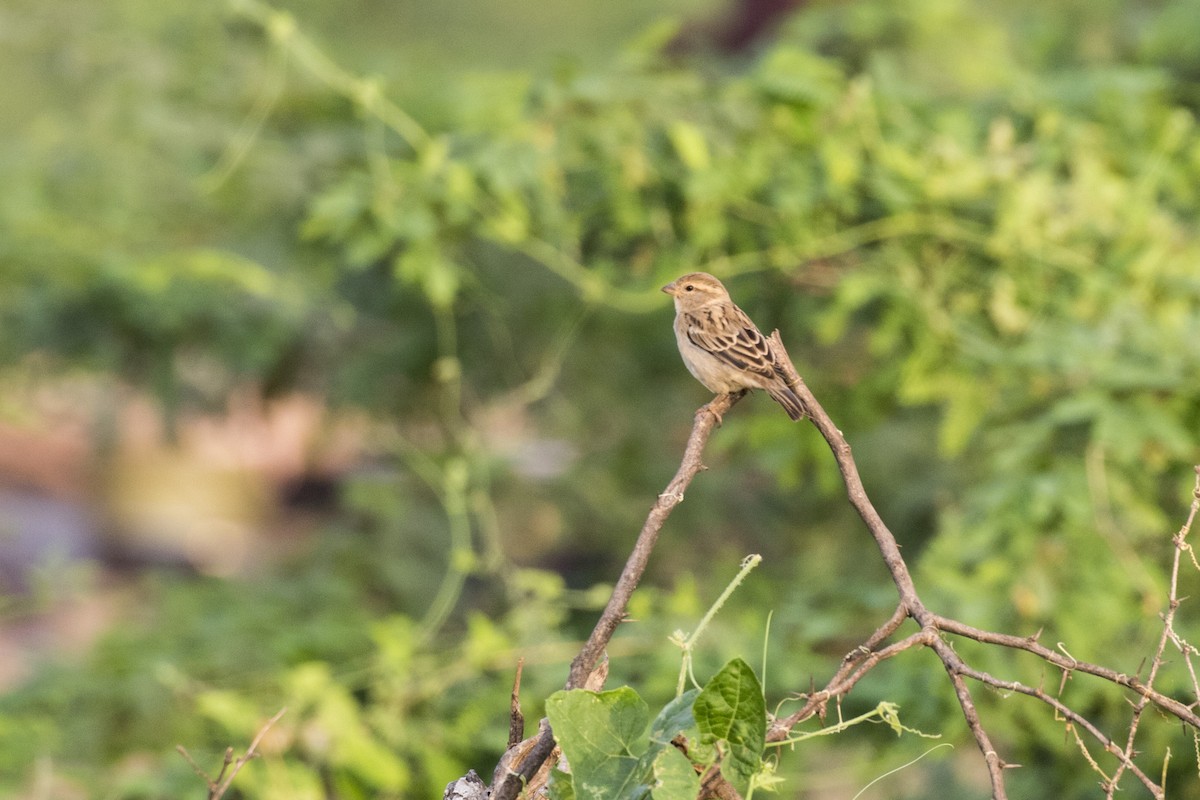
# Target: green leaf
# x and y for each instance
(674, 777)
(656, 762)
(560, 786)
(602, 735)
(731, 710)
(675, 717)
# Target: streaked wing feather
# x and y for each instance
(734, 339)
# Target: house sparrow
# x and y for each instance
(721, 347)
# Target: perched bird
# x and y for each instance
(722, 348)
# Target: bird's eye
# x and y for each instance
(689, 288)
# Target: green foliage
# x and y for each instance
(612, 754)
(205, 665)
(732, 717)
(601, 735)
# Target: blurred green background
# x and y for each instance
(334, 372)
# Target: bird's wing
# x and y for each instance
(729, 335)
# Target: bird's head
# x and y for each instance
(695, 290)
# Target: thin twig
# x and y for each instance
(196, 768)
(1069, 714)
(614, 613)
(856, 665)
(1030, 645)
(219, 785)
(853, 664)
(1168, 634)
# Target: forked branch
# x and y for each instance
(932, 634)
(935, 626)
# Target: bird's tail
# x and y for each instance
(791, 402)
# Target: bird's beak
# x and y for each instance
(669, 288)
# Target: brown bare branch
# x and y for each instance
(1055, 657)
(1070, 715)
(889, 549)
(614, 613)
(706, 419)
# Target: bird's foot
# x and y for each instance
(717, 415)
(707, 408)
